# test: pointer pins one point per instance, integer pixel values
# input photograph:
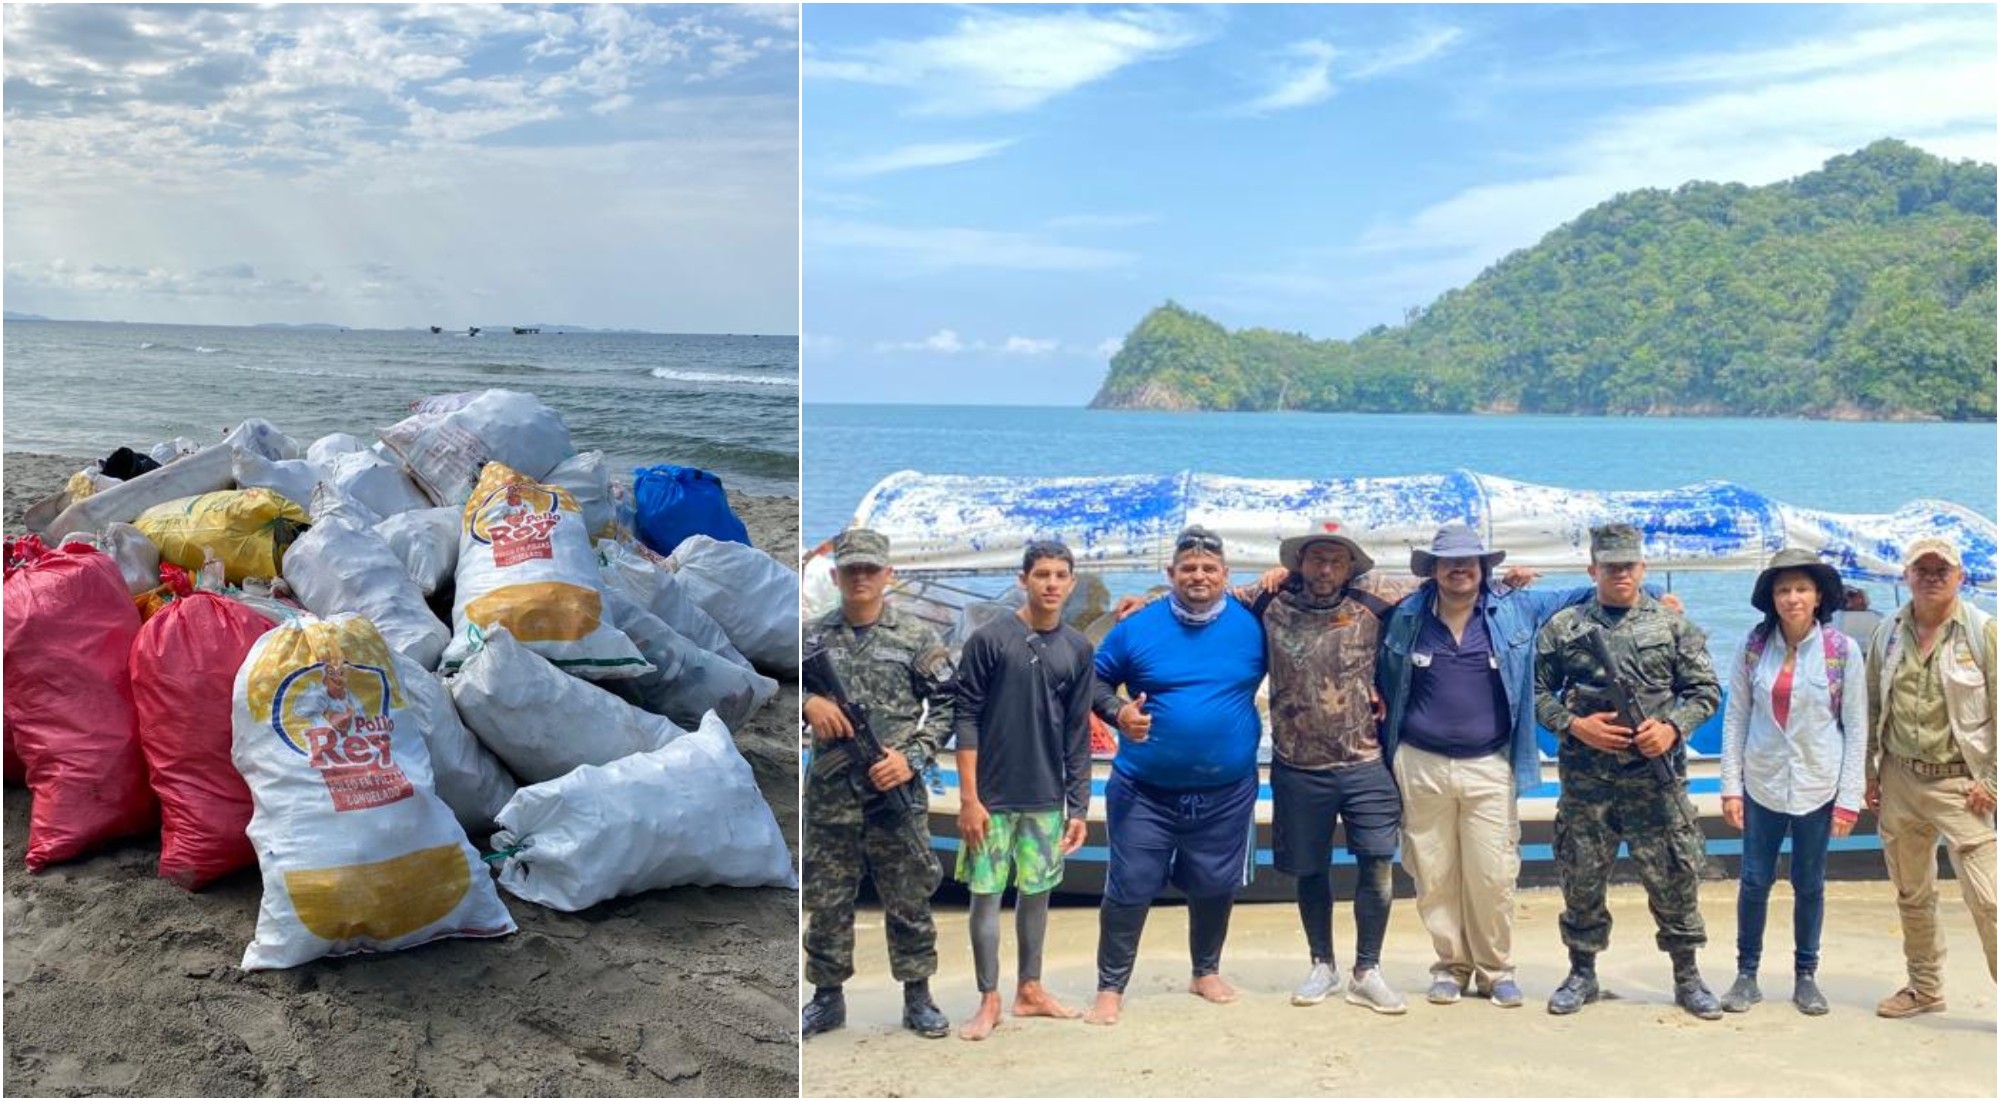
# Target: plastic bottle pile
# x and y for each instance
(343, 662)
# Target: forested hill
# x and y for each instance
(1862, 290)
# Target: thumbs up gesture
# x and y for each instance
(1133, 720)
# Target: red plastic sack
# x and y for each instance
(69, 630)
(183, 676)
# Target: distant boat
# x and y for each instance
(436, 329)
(473, 331)
(519, 331)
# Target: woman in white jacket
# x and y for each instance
(1794, 746)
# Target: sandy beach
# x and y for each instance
(1173, 1044)
(119, 983)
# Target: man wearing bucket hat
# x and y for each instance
(1457, 676)
(896, 667)
(1609, 791)
(1794, 736)
(1321, 631)
(1180, 806)
(1931, 763)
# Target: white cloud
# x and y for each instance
(1028, 346)
(1101, 221)
(1110, 346)
(997, 61)
(1307, 78)
(942, 342)
(1301, 84)
(953, 247)
(933, 155)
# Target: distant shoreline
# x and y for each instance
(495, 329)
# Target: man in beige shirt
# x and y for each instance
(1931, 762)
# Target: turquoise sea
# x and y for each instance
(725, 403)
(1847, 467)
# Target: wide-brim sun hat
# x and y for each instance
(1323, 531)
(1832, 592)
(1453, 541)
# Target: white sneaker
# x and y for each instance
(1323, 980)
(1373, 991)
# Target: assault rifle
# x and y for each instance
(1620, 697)
(895, 809)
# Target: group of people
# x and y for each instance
(1404, 711)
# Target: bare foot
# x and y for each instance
(1105, 1011)
(1213, 987)
(1032, 1000)
(984, 1021)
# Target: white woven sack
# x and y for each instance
(333, 445)
(357, 853)
(292, 479)
(541, 721)
(686, 680)
(525, 564)
(261, 437)
(752, 595)
(376, 483)
(589, 481)
(469, 778)
(426, 539)
(443, 453)
(686, 815)
(341, 565)
(654, 589)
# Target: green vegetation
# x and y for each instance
(1863, 290)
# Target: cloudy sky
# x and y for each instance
(995, 196)
(632, 167)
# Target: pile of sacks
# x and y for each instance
(342, 664)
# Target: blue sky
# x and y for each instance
(993, 196)
(606, 166)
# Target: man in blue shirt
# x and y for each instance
(1183, 788)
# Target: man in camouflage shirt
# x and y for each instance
(1609, 792)
(894, 666)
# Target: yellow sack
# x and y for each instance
(246, 529)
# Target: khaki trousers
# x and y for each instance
(1462, 845)
(1916, 811)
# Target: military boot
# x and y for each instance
(920, 1014)
(826, 1012)
(1580, 988)
(1690, 993)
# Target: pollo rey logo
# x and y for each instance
(517, 520)
(336, 715)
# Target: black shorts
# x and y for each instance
(1305, 806)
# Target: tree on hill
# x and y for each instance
(1863, 289)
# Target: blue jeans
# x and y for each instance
(1763, 832)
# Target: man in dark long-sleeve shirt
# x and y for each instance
(1022, 725)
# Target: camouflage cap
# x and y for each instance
(1616, 543)
(860, 547)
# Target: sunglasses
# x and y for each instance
(1199, 542)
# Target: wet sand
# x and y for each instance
(119, 983)
(1171, 1043)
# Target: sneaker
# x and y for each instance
(1444, 991)
(1372, 990)
(1806, 995)
(1743, 994)
(1907, 1002)
(826, 1012)
(1506, 994)
(1322, 981)
(1578, 990)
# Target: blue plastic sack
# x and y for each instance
(674, 502)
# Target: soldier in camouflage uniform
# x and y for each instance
(1609, 792)
(894, 666)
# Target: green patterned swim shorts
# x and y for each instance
(1031, 841)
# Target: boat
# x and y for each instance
(949, 529)
(526, 331)
(436, 329)
(472, 330)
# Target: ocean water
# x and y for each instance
(1848, 467)
(728, 404)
